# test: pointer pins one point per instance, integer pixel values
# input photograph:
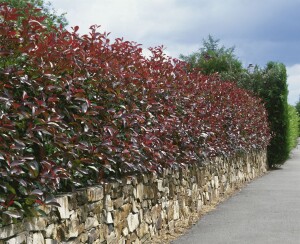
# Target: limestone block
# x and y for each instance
(145, 238)
(81, 197)
(109, 218)
(150, 192)
(199, 205)
(212, 182)
(145, 204)
(117, 203)
(64, 207)
(20, 238)
(158, 224)
(126, 209)
(155, 212)
(73, 228)
(11, 230)
(176, 210)
(134, 180)
(140, 192)
(147, 217)
(171, 226)
(35, 238)
(163, 214)
(108, 203)
(83, 238)
(93, 235)
(91, 222)
(49, 230)
(152, 230)
(103, 232)
(160, 185)
(50, 241)
(134, 207)
(121, 240)
(111, 238)
(145, 178)
(216, 180)
(125, 231)
(223, 179)
(35, 224)
(128, 190)
(95, 193)
(133, 221)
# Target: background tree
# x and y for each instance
(293, 127)
(52, 18)
(297, 107)
(213, 58)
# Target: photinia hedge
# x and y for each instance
(76, 110)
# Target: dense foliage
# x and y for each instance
(45, 9)
(297, 107)
(293, 127)
(213, 58)
(76, 110)
(269, 83)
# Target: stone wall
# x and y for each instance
(137, 208)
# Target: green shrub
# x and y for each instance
(212, 58)
(272, 88)
(293, 127)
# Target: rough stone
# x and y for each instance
(64, 207)
(117, 203)
(125, 231)
(142, 230)
(35, 238)
(134, 207)
(108, 204)
(95, 193)
(35, 224)
(20, 238)
(176, 210)
(90, 223)
(109, 218)
(84, 237)
(50, 241)
(11, 230)
(93, 235)
(140, 192)
(49, 230)
(81, 197)
(74, 228)
(160, 185)
(133, 222)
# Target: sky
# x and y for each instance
(260, 30)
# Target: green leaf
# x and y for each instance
(10, 188)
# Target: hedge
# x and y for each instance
(293, 132)
(79, 110)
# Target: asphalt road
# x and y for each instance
(266, 211)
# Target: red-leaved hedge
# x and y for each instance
(75, 110)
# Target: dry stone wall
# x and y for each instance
(136, 208)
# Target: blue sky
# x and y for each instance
(261, 30)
